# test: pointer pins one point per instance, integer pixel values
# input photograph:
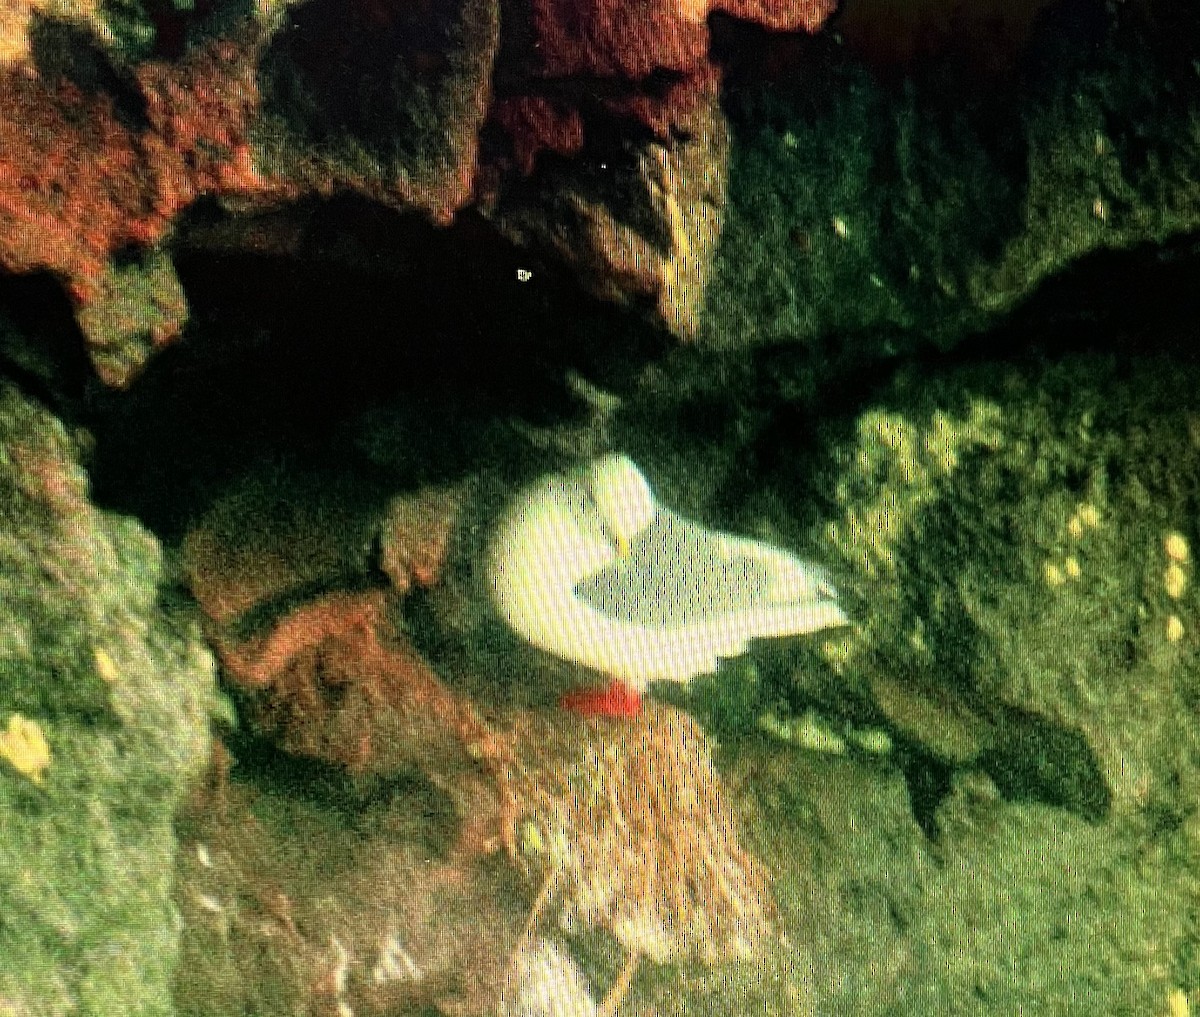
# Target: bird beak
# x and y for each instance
(622, 547)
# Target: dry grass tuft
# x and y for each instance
(630, 828)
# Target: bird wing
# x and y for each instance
(678, 573)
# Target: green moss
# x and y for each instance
(131, 25)
(1005, 530)
(123, 695)
(920, 215)
(899, 467)
(142, 304)
(1012, 906)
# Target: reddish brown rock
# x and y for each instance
(78, 184)
(388, 101)
(893, 35)
(364, 913)
(274, 537)
(646, 62)
(415, 537)
(641, 231)
(328, 681)
(381, 99)
(537, 123)
(676, 196)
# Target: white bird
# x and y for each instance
(587, 566)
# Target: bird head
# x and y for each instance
(623, 497)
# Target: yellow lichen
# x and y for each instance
(1174, 581)
(1088, 516)
(1176, 546)
(873, 740)
(1072, 568)
(532, 842)
(903, 463)
(1174, 629)
(1054, 575)
(25, 748)
(1075, 527)
(836, 652)
(106, 667)
(1177, 1004)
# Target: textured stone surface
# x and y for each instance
(429, 266)
(122, 692)
(925, 211)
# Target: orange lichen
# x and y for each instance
(77, 183)
(199, 112)
(68, 180)
(627, 46)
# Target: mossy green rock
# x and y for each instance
(141, 305)
(122, 694)
(919, 215)
(1011, 909)
(1008, 530)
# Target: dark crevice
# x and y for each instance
(286, 355)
